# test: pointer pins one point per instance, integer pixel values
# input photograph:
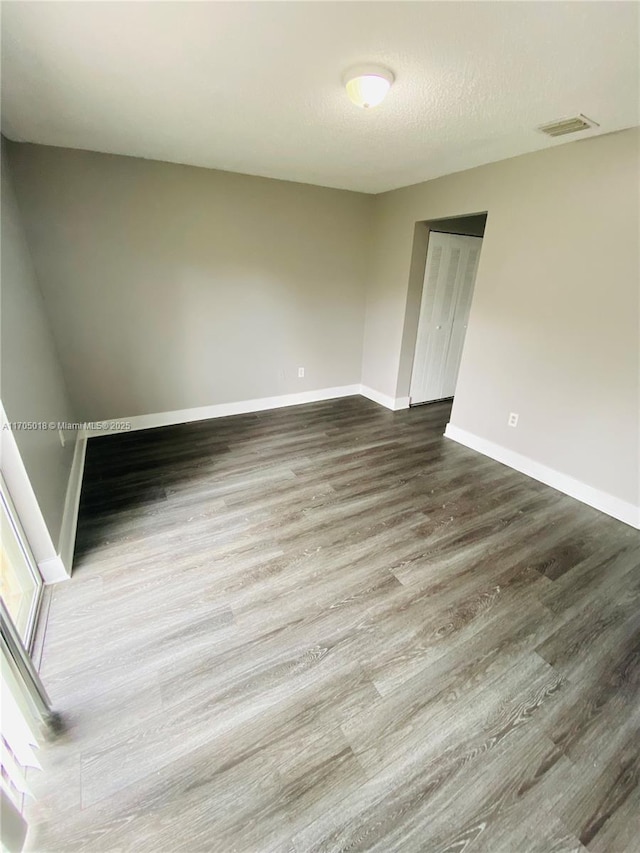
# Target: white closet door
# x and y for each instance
(468, 269)
(446, 299)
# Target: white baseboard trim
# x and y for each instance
(242, 407)
(53, 570)
(615, 507)
(72, 504)
(393, 403)
(223, 410)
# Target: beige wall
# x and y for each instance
(553, 332)
(172, 287)
(32, 385)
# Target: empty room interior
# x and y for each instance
(320, 395)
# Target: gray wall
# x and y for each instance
(553, 331)
(32, 385)
(171, 287)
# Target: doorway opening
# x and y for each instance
(450, 265)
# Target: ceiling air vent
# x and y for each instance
(568, 125)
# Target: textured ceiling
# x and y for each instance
(255, 86)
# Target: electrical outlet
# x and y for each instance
(513, 419)
(61, 437)
(301, 373)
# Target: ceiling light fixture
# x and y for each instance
(367, 85)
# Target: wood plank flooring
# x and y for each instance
(328, 628)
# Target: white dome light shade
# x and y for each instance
(367, 85)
